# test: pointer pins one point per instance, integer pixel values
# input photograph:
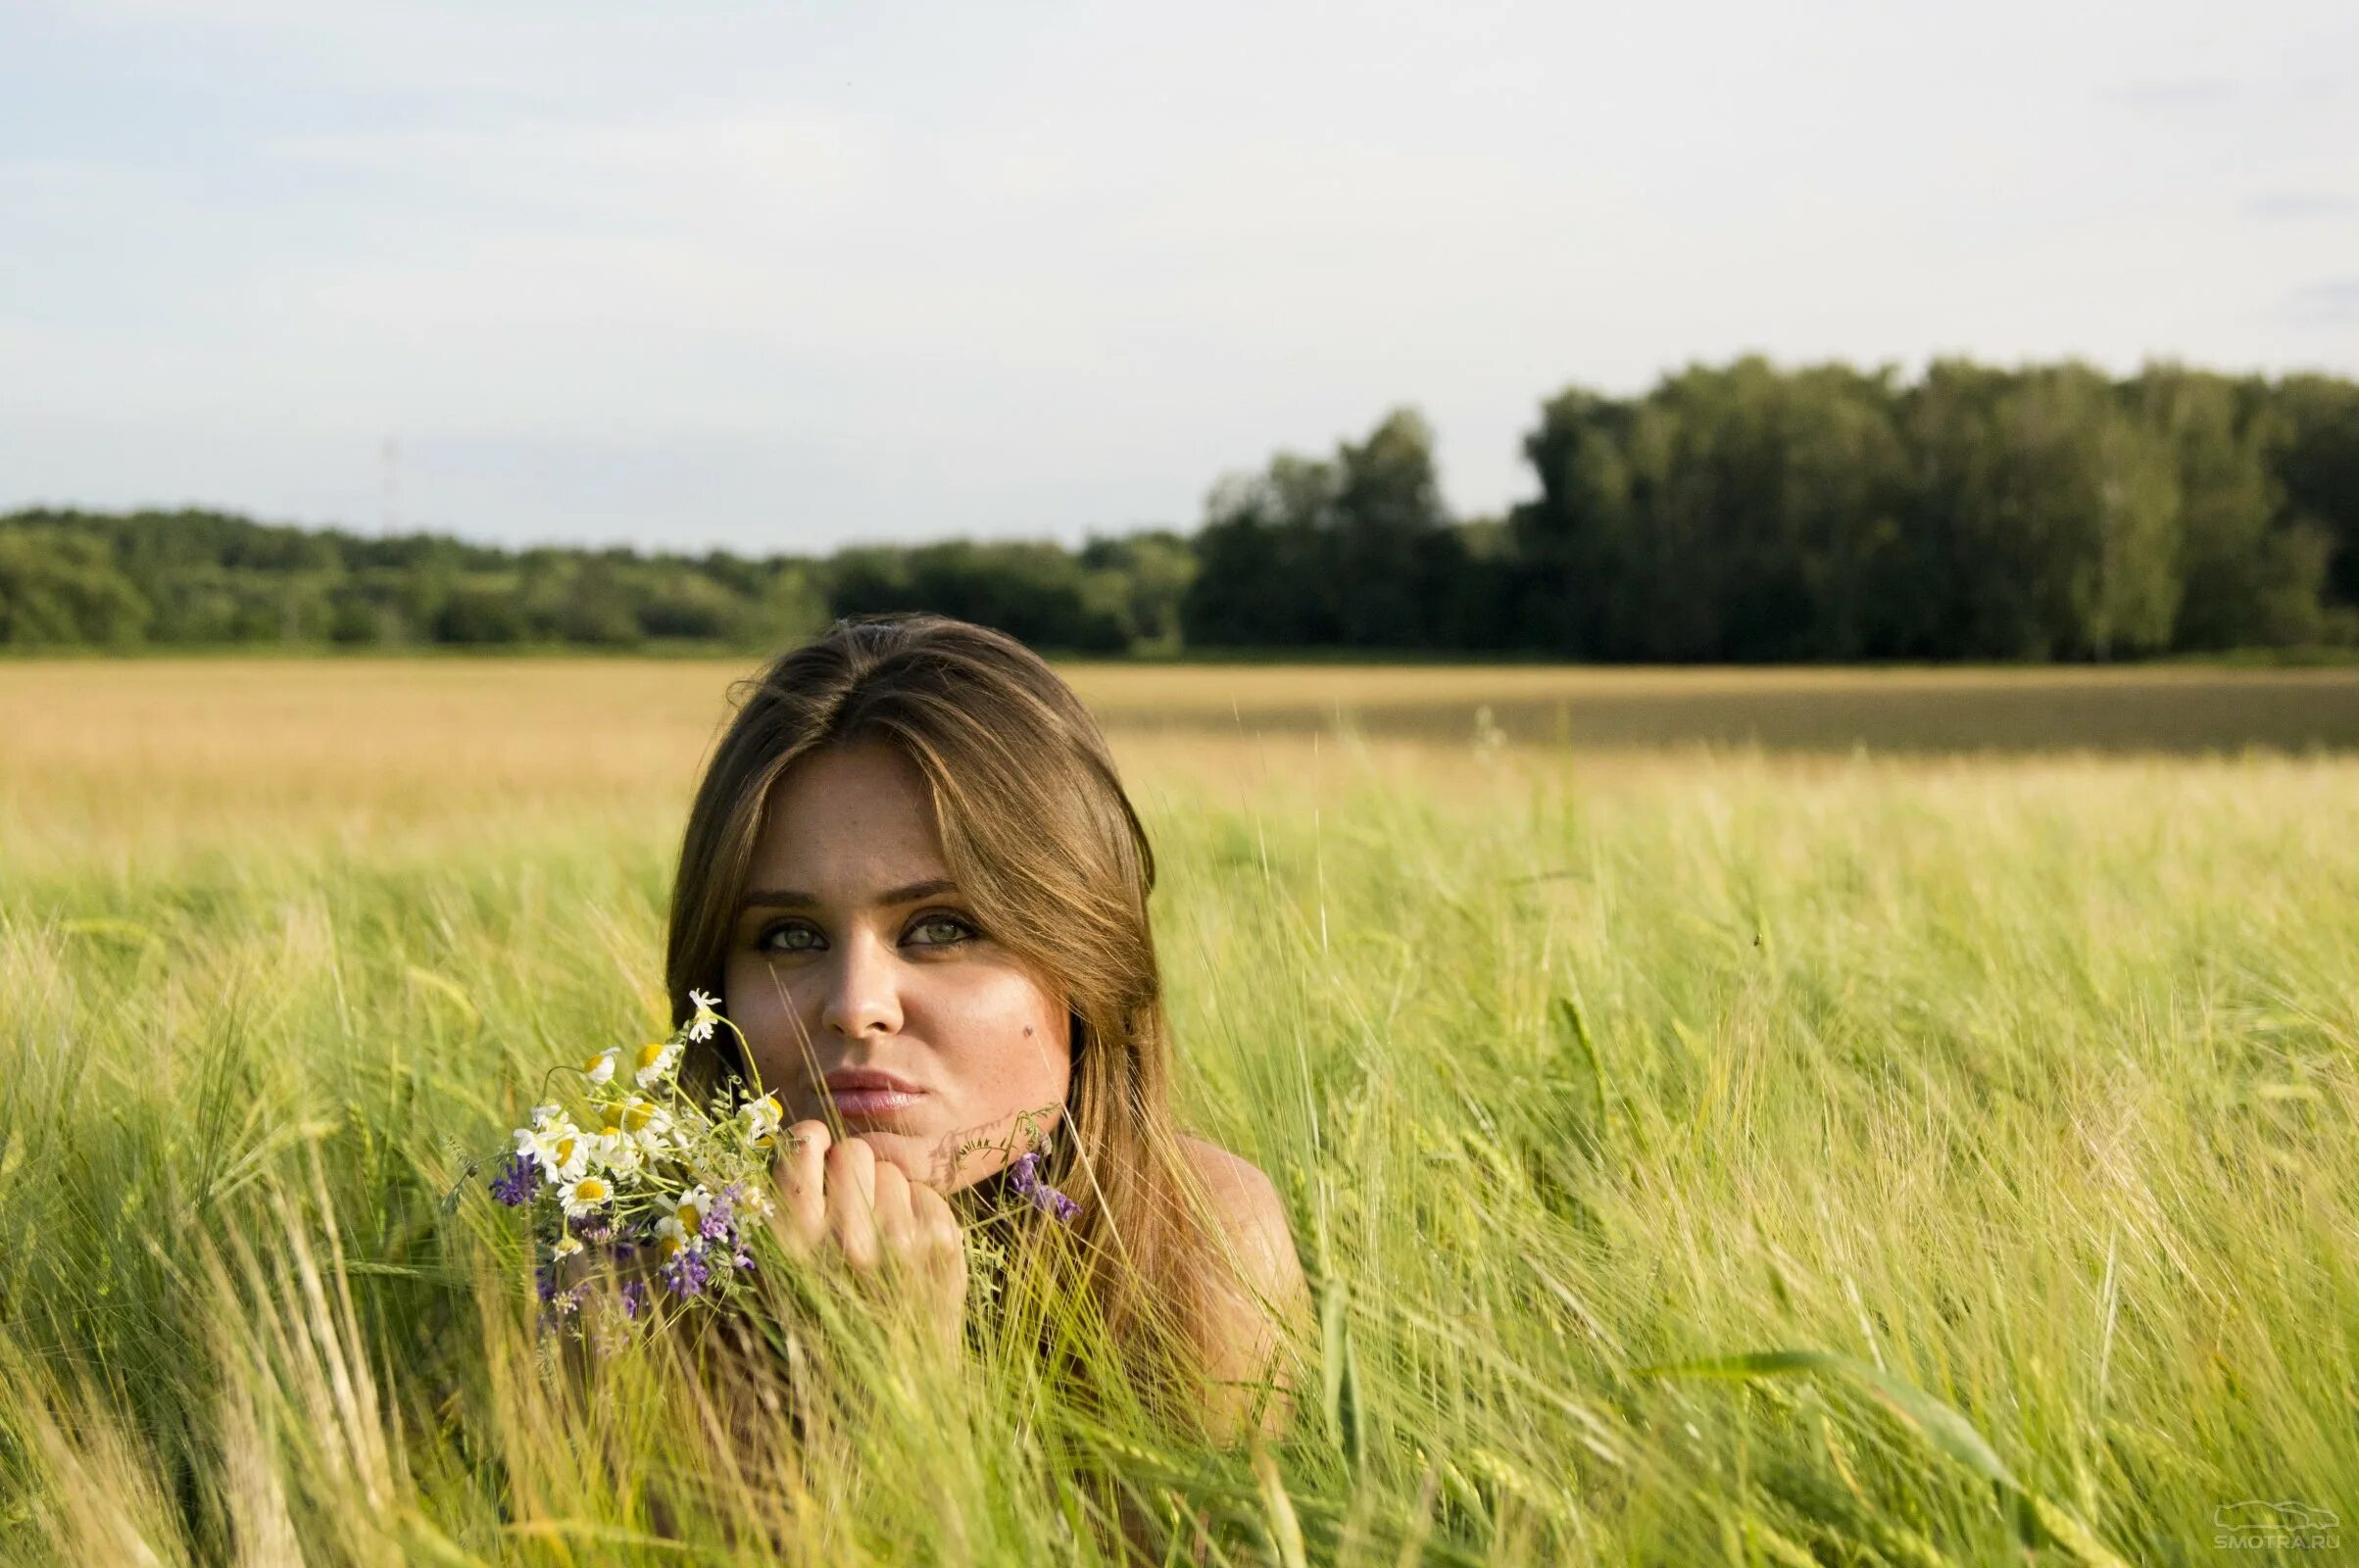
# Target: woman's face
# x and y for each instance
(855, 957)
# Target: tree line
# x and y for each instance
(1741, 513)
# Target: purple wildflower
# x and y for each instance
(519, 1179)
(685, 1273)
(1024, 1175)
(596, 1226)
(634, 1298)
(718, 1215)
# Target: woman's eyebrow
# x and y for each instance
(796, 898)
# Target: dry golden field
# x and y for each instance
(167, 747)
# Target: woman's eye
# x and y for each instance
(784, 939)
(941, 930)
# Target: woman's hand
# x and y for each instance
(837, 1198)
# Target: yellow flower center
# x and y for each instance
(637, 1114)
(590, 1190)
(564, 1150)
(649, 1054)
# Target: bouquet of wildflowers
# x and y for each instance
(625, 1168)
(626, 1176)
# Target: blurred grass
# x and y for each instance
(1995, 1109)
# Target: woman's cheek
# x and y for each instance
(760, 1002)
(1015, 1059)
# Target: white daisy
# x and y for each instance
(617, 1151)
(670, 1235)
(601, 1067)
(656, 1060)
(691, 1206)
(563, 1149)
(700, 1027)
(644, 1122)
(762, 1119)
(584, 1193)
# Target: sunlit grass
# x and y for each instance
(2025, 1085)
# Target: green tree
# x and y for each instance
(1251, 557)
(1575, 542)
(677, 600)
(481, 612)
(2314, 458)
(1394, 559)
(790, 606)
(1355, 552)
(60, 589)
(2247, 579)
(2085, 521)
(1147, 574)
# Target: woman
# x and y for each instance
(913, 879)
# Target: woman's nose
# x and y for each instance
(863, 989)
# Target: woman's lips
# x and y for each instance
(866, 1094)
(865, 1104)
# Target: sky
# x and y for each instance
(779, 277)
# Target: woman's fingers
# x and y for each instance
(936, 1246)
(915, 1226)
(852, 1201)
(937, 1260)
(868, 1213)
(891, 1212)
(802, 1187)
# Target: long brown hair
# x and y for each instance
(1039, 832)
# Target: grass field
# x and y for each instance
(1972, 1133)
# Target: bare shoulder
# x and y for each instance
(1252, 1216)
(1252, 1381)
(1226, 1173)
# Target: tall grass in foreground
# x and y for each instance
(1695, 1158)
